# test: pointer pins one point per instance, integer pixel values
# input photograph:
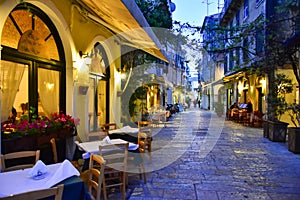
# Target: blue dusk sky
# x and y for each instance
(194, 11)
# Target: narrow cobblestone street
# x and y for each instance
(192, 160)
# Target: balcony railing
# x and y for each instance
(229, 5)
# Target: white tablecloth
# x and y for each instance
(93, 146)
(15, 182)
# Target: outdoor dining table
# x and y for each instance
(126, 133)
(18, 181)
(93, 147)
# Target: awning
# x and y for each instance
(123, 17)
(233, 75)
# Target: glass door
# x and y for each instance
(97, 103)
(102, 102)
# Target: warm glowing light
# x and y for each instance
(263, 85)
(49, 86)
(123, 76)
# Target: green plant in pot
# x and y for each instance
(277, 129)
(294, 132)
(219, 108)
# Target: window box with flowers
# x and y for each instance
(35, 134)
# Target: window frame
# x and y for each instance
(34, 62)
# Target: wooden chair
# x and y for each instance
(135, 168)
(54, 150)
(18, 155)
(56, 192)
(235, 115)
(115, 173)
(96, 175)
(257, 120)
(55, 156)
(109, 126)
(99, 135)
(228, 114)
(145, 137)
(159, 118)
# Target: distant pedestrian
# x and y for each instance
(249, 106)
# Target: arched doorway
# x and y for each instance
(33, 63)
(98, 94)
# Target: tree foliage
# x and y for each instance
(156, 12)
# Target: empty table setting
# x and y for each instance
(93, 146)
(126, 133)
(43, 176)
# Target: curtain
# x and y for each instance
(11, 76)
(48, 88)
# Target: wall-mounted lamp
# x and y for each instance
(86, 57)
(122, 74)
(81, 54)
(126, 77)
(81, 69)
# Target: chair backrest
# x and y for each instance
(115, 155)
(19, 155)
(54, 150)
(145, 133)
(145, 126)
(108, 126)
(55, 192)
(99, 135)
(96, 174)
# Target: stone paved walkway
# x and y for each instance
(201, 156)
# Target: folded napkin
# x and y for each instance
(65, 170)
(106, 140)
(86, 155)
(38, 169)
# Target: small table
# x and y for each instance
(126, 133)
(15, 182)
(93, 146)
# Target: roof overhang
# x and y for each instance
(233, 75)
(124, 18)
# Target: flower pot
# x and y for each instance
(266, 129)
(294, 139)
(277, 131)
